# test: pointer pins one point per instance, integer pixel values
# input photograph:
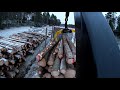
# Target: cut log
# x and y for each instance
(63, 66)
(44, 60)
(56, 66)
(57, 48)
(61, 76)
(50, 69)
(10, 74)
(68, 52)
(46, 67)
(11, 67)
(5, 61)
(70, 72)
(12, 62)
(48, 48)
(47, 75)
(60, 52)
(40, 70)
(1, 73)
(51, 59)
(1, 62)
(42, 63)
(56, 76)
(72, 47)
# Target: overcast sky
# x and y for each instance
(61, 16)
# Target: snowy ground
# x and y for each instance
(15, 30)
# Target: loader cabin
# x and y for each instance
(98, 55)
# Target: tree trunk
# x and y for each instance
(68, 53)
(48, 48)
(50, 69)
(70, 72)
(63, 66)
(72, 47)
(60, 52)
(56, 67)
(47, 75)
(42, 63)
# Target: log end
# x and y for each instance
(1, 62)
(70, 73)
(50, 63)
(71, 61)
(60, 56)
(42, 63)
(55, 73)
(63, 71)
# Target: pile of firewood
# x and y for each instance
(14, 49)
(58, 59)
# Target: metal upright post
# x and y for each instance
(45, 36)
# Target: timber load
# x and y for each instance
(58, 62)
(14, 49)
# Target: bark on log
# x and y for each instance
(51, 59)
(50, 69)
(42, 54)
(5, 61)
(1, 62)
(57, 48)
(68, 52)
(72, 47)
(10, 74)
(63, 66)
(60, 52)
(40, 71)
(61, 76)
(42, 63)
(47, 75)
(70, 72)
(56, 67)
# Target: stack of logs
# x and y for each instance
(14, 49)
(58, 59)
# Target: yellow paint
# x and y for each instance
(60, 32)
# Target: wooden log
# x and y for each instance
(1, 73)
(57, 48)
(60, 52)
(72, 47)
(11, 67)
(56, 66)
(5, 61)
(13, 41)
(10, 74)
(56, 76)
(68, 52)
(46, 67)
(42, 63)
(50, 69)
(12, 62)
(63, 66)
(47, 75)
(51, 59)
(16, 70)
(40, 71)
(2, 77)
(70, 72)
(48, 48)
(1, 62)
(44, 60)
(61, 76)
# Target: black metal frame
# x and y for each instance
(98, 54)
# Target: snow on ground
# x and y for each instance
(15, 30)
